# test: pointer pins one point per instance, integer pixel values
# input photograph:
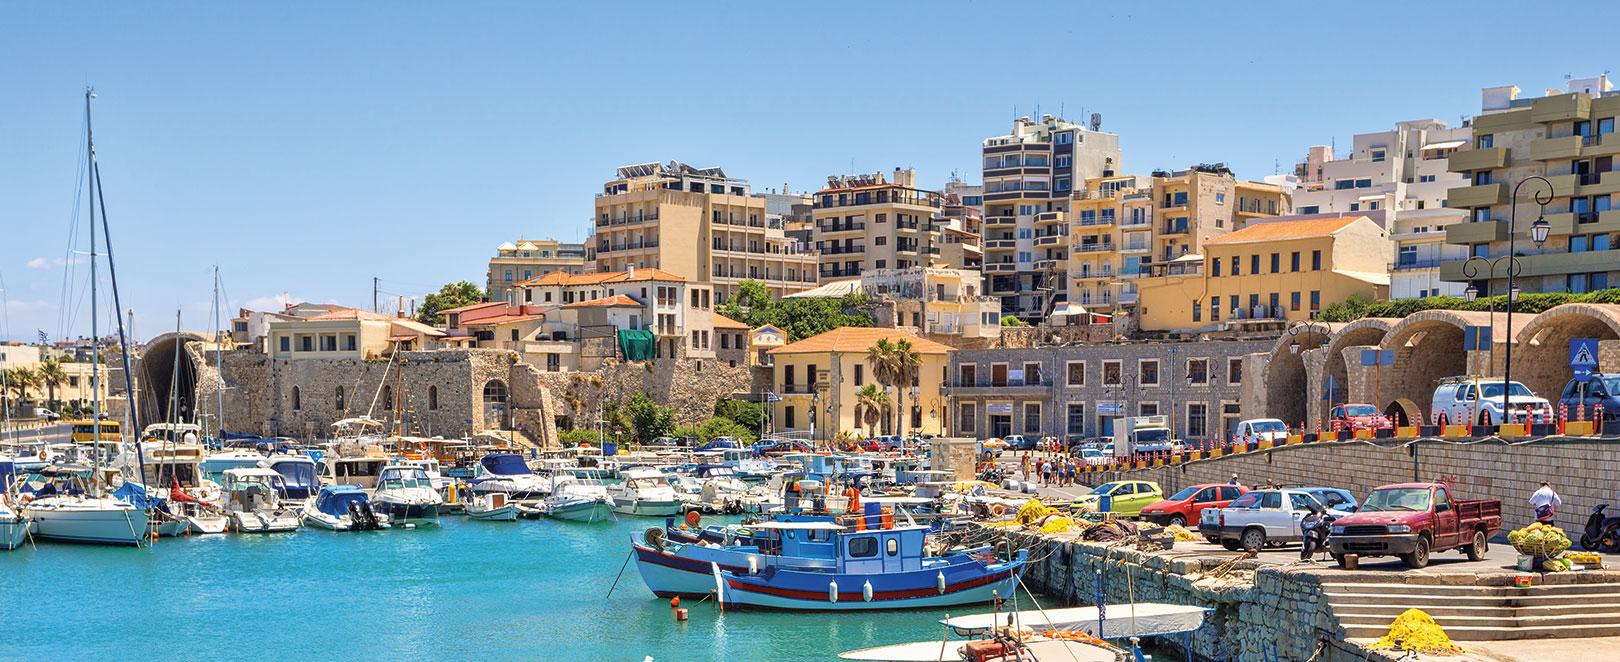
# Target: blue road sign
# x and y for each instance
(1583, 353)
(1329, 385)
(1372, 357)
(1476, 338)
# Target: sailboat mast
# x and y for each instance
(219, 360)
(95, 338)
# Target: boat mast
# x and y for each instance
(219, 360)
(95, 338)
(172, 416)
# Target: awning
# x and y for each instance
(637, 344)
(1143, 619)
(1069, 310)
(1449, 144)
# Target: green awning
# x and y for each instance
(637, 344)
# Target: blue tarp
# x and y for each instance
(504, 464)
(334, 499)
(135, 495)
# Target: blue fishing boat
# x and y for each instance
(672, 568)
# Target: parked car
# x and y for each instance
(1094, 457)
(1414, 520)
(1186, 505)
(1018, 442)
(720, 443)
(41, 412)
(1355, 416)
(1591, 390)
(1334, 498)
(1261, 429)
(781, 447)
(1124, 498)
(1467, 400)
(1258, 518)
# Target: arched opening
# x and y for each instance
(433, 398)
(1541, 358)
(297, 404)
(1427, 349)
(1285, 383)
(1336, 372)
(168, 388)
(338, 401)
(1404, 412)
(495, 408)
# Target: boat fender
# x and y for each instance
(940, 582)
(832, 591)
(753, 565)
(866, 591)
(693, 518)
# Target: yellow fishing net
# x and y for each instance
(1182, 534)
(1416, 631)
(1032, 510)
(1058, 524)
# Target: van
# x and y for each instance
(43, 413)
(1261, 429)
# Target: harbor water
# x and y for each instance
(530, 590)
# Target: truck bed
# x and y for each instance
(1472, 511)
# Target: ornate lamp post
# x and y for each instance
(1538, 233)
(1308, 326)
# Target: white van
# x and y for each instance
(41, 412)
(1261, 429)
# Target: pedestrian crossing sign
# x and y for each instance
(1583, 355)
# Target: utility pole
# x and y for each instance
(375, 285)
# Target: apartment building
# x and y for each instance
(530, 258)
(585, 318)
(1568, 137)
(873, 222)
(1269, 274)
(1111, 239)
(933, 301)
(698, 224)
(1205, 202)
(339, 332)
(1029, 175)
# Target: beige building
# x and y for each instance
(1205, 202)
(817, 378)
(698, 224)
(1110, 241)
(872, 222)
(950, 302)
(1268, 275)
(531, 258)
(1029, 175)
(347, 333)
(1568, 137)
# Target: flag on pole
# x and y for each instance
(43, 338)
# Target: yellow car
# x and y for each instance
(1124, 498)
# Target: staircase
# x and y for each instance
(1480, 613)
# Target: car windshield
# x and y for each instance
(1360, 410)
(1184, 494)
(1106, 489)
(1269, 426)
(1404, 499)
(1611, 384)
(1494, 389)
(1091, 452)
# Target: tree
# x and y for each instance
(801, 317)
(52, 376)
(21, 381)
(907, 363)
(1012, 320)
(452, 295)
(719, 426)
(880, 358)
(750, 415)
(872, 402)
(648, 420)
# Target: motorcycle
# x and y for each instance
(1314, 529)
(1602, 532)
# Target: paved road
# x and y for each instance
(51, 434)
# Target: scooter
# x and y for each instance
(1315, 528)
(1602, 532)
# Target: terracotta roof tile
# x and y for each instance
(859, 339)
(723, 322)
(1280, 230)
(560, 278)
(614, 301)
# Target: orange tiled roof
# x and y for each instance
(560, 278)
(472, 306)
(723, 322)
(1279, 230)
(502, 319)
(341, 313)
(614, 301)
(858, 339)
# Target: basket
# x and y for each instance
(1544, 549)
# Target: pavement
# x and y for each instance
(1590, 649)
(57, 433)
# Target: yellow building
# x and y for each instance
(531, 258)
(1110, 240)
(870, 222)
(1267, 273)
(761, 340)
(1570, 140)
(817, 379)
(1205, 202)
(698, 224)
(348, 333)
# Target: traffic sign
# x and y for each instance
(1476, 338)
(1583, 353)
(1329, 385)
(1372, 357)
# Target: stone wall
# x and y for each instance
(690, 386)
(1584, 472)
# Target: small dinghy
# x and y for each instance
(492, 507)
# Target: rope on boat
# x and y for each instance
(626, 564)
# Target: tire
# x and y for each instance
(1443, 420)
(1231, 545)
(1476, 550)
(1254, 540)
(1177, 520)
(1419, 558)
(1339, 559)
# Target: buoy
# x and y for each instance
(866, 591)
(940, 582)
(832, 591)
(692, 518)
(675, 601)
(680, 615)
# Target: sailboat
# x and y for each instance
(87, 513)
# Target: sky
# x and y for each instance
(306, 148)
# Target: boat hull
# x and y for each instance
(92, 526)
(957, 584)
(14, 531)
(593, 510)
(645, 508)
(263, 522)
(415, 513)
(669, 576)
(208, 524)
(506, 513)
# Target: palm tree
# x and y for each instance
(880, 357)
(21, 381)
(52, 376)
(872, 402)
(907, 363)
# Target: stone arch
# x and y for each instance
(433, 398)
(495, 399)
(1287, 377)
(1541, 353)
(1366, 331)
(1403, 412)
(1428, 346)
(165, 390)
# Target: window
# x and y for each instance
(1077, 418)
(1484, 142)
(1215, 266)
(286, 343)
(965, 375)
(1063, 160)
(1293, 301)
(1149, 369)
(1316, 260)
(964, 420)
(1147, 409)
(1110, 373)
(1032, 418)
(1197, 371)
(1377, 155)
(1254, 263)
(892, 546)
(297, 402)
(1214, 309)
(1220, 198)
(1032, 374)
(1077, 373)
(1234, 371)
(433, 397)
(1316, 300)
(1197, 419)
(863, 547)
(860, 374)
(1235, 271)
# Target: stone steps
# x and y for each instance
(1367, 631)
(1469, 589)
(1390, 611)
(1481, 613)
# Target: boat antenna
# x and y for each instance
(112, 277)
(219, 362)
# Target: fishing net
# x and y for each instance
(1032, 510)
(1182, 534)
(1414, 630)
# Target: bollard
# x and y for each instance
(680, 615)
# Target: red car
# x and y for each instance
(1356, 416)
(1185, 506)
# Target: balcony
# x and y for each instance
(1136, 248)
(1173, 228)
(1001, 220)
(1568, 223)
(627, 219)
(1089, 274)
(831, 228)
(1001, 267)
(1049, 240)
(1556, 149)
(1000, 244)
(1049, 217)
(1484, 195)
(1560, 108)
(1096, 221)
(1095, 247)
(1473, 233)
(626, 246)
(1415, 265)
(1489, 158)
(1050, 265)
(842, 250)
(1546, 264)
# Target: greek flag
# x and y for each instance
(43, 338)
(771, 396)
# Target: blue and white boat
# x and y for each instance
(14, 526)
(298, 474)
(673, 568)
(343, 508)
(872, 569)
(405, 494)
(507, 473)
(579, 500)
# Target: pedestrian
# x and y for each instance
(1234, 480)
(1545, 502)
(1046, 475)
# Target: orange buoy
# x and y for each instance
(692, 518)
(675, 601)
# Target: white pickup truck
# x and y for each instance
(1259, 518)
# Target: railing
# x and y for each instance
(1094, 248)
(1430, 263)
(1094, 220)
(842, 250)
(629, 246)
(627, 218)
(1175, 228)
(840, 227)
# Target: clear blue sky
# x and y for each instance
(307, 147)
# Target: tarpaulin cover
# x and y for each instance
(637, 344)
(134, 495)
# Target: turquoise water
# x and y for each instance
(530, 590)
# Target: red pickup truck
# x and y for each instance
(1414, 520)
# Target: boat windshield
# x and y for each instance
(1404, 499)
(402, 479)
(504, 464)
(297, 474)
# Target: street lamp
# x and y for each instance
(1306, 327)
(1538, 233)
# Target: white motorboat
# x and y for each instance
(722, 491)
(492, 507)
(300, 477)
(645, 492)
(508, 474)
(353, 463)
(253, 502)
(579, 501)
(405, 494)
(342, 508)
(14, 526)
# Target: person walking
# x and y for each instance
(1234, 480)
(1046, 475)
(1545, 503)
